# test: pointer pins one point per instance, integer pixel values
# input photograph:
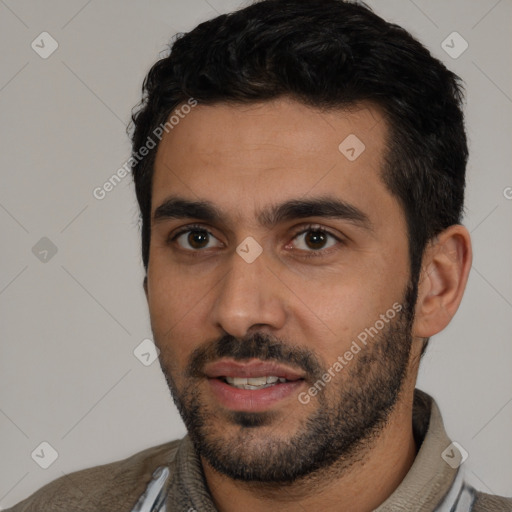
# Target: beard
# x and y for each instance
(345, 417)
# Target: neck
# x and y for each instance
(359, 484)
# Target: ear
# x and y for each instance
(445, 269)
(145, 286)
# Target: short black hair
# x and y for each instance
(328, 54)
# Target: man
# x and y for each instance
(302, 241)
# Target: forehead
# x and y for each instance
(243, 157)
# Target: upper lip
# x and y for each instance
(252, 368)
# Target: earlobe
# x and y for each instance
(446, 265)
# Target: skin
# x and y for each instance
(244, 159)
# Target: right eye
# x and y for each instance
(194, 238)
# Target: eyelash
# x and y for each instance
(300, 231)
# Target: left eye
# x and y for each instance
(314, 239)
(196, 239)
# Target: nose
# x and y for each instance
(249, 297)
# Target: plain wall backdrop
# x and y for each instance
(71, 319)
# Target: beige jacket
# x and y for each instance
(169, 478)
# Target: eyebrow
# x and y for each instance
(327, 207)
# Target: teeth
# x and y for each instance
(254, 382)
(257, 381)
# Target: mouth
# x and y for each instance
(254, 382)
(251, 386)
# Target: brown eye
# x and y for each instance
(198, 239)
(195, 239)
(315, 239)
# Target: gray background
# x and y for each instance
(70, 323)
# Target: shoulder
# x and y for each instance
(490, 503)
(114, 487)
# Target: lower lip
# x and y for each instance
(252, 400)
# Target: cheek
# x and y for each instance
(177, 300)
(172, 290)
(334, 309)
(344, 310)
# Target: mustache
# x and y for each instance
(254, 346)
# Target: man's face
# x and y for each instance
(276, 253)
